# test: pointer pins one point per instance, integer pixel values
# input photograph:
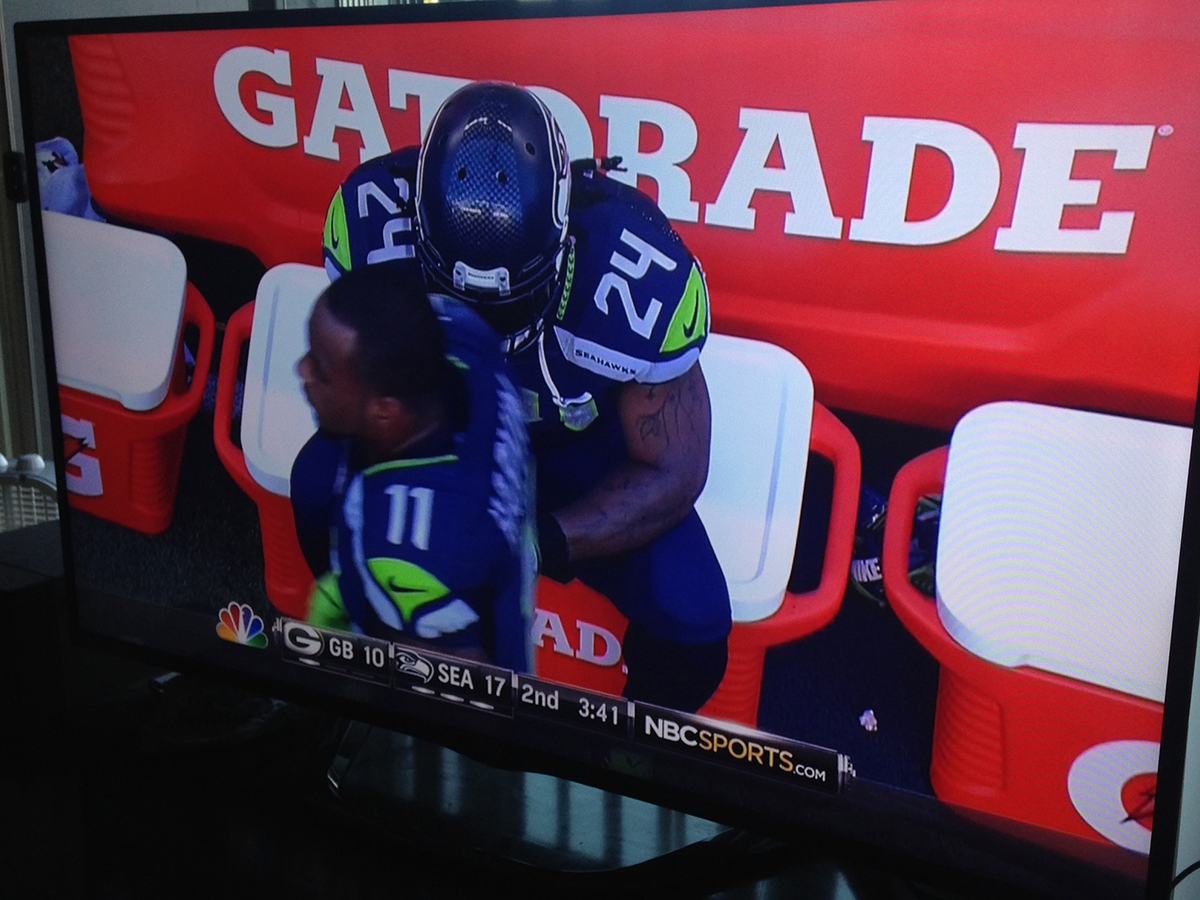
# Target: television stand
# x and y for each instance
(366, 802)
(180, 772)
(558, 828)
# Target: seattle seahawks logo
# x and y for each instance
(414, 665)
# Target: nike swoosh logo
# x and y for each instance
(690, 330)
(401, 589)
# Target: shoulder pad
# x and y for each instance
(638, 307)
(628, 203)
(370, 216)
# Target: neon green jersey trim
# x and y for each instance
(567, 283)
(407, 584)
(410, 463)
(325, 606)
(337, 236)
(690, 322)
(579, 416)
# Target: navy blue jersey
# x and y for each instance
(370, 218)
(634, 308)
(436, 546)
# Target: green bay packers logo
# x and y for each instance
(690, 322)
(408, 586)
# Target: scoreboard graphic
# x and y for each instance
(489, 689)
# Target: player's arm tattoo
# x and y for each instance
(667, 428)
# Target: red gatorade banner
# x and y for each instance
(932, 204)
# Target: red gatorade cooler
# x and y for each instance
(764, 423)
(276, 418)
(120, 300)
(1056, 564)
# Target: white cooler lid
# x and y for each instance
(276, 418)
(116, 299)
(1059, 542)
(762, 405)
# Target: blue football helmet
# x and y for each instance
(493, 185)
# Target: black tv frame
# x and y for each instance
(980, 858)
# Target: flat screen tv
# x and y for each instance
(912, 285)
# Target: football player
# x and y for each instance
(418, 473)
(602, 312)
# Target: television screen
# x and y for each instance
(782, 411)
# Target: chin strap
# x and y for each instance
(576, 413)
(559, 400)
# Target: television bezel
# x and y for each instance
(981, 870)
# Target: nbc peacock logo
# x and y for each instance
(240, 625)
